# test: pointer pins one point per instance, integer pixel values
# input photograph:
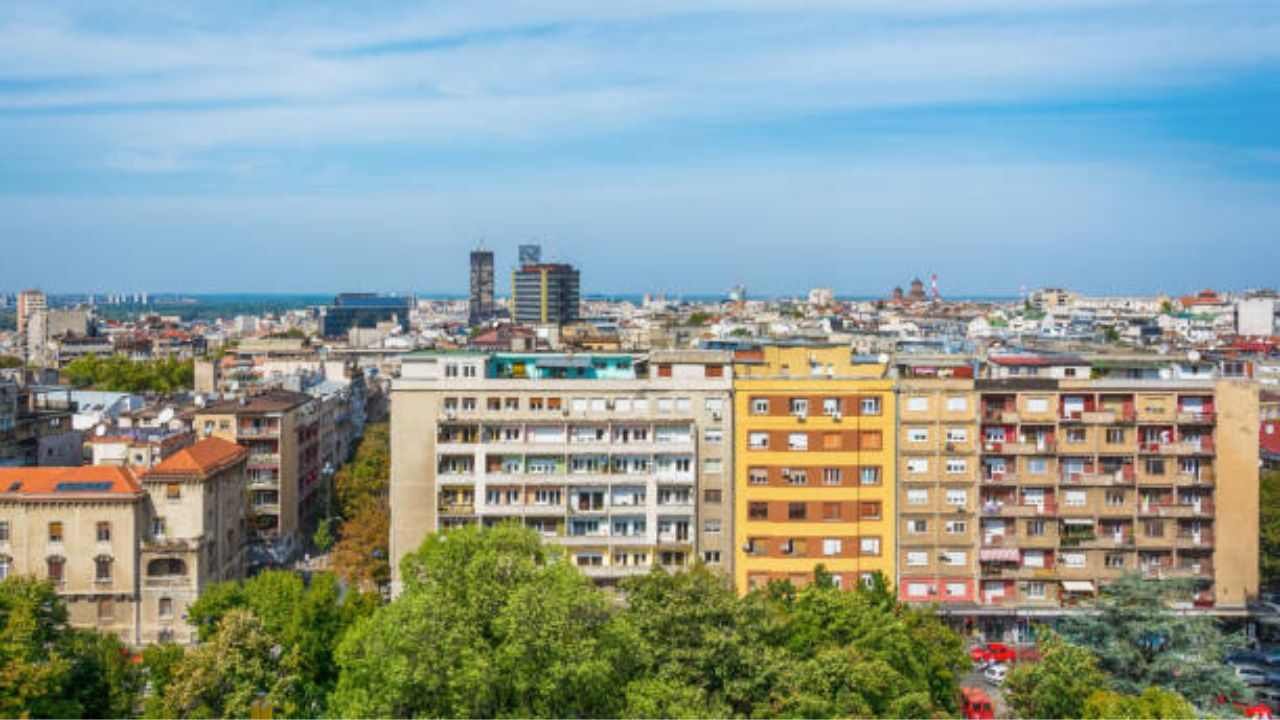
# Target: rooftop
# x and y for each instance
(86, 480)
(201, 459)
(275, 400)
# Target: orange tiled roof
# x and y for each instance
(85, 479)
(203, 458)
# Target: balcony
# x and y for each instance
(1000, 415)
(1124, 476)
(1042, 447)
(1005, 478)
(996, 509)
(1204, 446)
(1204, 508)
(264, 460)
(1192, 541)
(249, 431)
(167, 581)
(457, 508)
(1203, 478)
(1197, 569)
(1196, 418)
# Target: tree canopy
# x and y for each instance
(1269, 511)
(494, 623)
(118, 373)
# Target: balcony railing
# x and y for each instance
(258, 430)
(1196, 418)
(1018, 509)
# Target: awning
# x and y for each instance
(1077, 586)
(1077, 521)
(999, 554)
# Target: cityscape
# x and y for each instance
(563, 360)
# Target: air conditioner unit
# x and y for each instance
(716, 416)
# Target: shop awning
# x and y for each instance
(999, 554)
(1077, 586)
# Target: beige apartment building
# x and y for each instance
(623, 459)
(195, 535)
(128, 554)
(281, 431)
(937, 523)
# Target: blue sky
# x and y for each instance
(1117, 146)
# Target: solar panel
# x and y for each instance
(82, 486)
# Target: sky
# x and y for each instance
(1117, 146)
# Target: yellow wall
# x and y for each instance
(766, 379)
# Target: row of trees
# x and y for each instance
(360, 556)
(118, 373)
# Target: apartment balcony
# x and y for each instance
(1193, 541)
(457, 508)
(1031, 573)
(455, 478)
(1044, 447)
(1156, 571)
(168, 581)
(614, 571)
(251, 431)
(1196, 418)
(1047, 541)
(1019, 510)
(588, 510)
(1204, 508)
(1005, 478)
(585, 540)
(1125, 476)
(1193, 569)
(1000, 415)
(1007, 539)
(264, 460)
(266, 508)
(263, 483)
(1181, 449)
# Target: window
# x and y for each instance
(468, 404)
(832, 441)
(1155, 466)
(953, 558)
(711, 466)
(1115, 436)
(956, 589)
(917, 496)
(832, 546)
(102, 569)
(917, 435)
(1115, 560)
(55, 566)
(493, 403)
(511, 404)
(957, 435)
(1037, 405)
(799, 406)
(869, 546)
(956, 527)
(869, 475)
(1033, 590)
(711, 497)
(869, 510)
(870, 440)
(831, 406)
(917, 526)
(758, 511)
(157, 527)
(4, 531)
(1115, 498)
(664, 370)
(957, 403)
(795, 476)
(798, 441)
(5, 566)
(758, 440)
(956, 466)
(711, 526)
(451, 370)
(713, 437)
(917, 558)
(757, 476)
(1073, 559)
(1035, 528)
(666, 405)
(713, 371)
(1033, 558)
(1076, 498)
(917, 466)
(106, 610)
(173, 491)
(797, 511)
(684, 405)
(918, 403)
(759, 406)
(831, 511)
(166, 607)
(1037, 466)
(870, 406)
(1153, 528)
(918, 589)
(55, 532)
(832, 476)
(711, 557)
(957, 497)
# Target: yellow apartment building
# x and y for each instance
(814, 477)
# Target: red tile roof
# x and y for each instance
(1269, 438)
(94, 480)
(201, 459)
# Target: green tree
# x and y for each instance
(1153, 703)
(360, 556)
(226, 675)
(365, 479)
(1057, 685)
(158, 665)
(323, 537)
(1140, 641)
(103, 681)
(118, 373)
(1269, 510)
(491, 623)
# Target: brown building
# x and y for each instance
(281, 431)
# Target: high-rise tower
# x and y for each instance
(480, 307)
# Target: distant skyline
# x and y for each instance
(1108, 146)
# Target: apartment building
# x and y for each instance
(937, 492)
(77, 527)
(195, 533)
(1084, 480)
(281, 431)
(623, 459)
(814, 444)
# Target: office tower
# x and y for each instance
(365, 310)
(480, 307)
(545, 294)
(623, 459)
(814, 466)
(29, 302)
(529, 254)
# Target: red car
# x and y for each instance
(976, 704)
(993, 652)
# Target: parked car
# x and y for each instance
(1001, 653)
(995, 674)
(1269, 695)
(1251, 675)
(976, 704)
(1246, 657)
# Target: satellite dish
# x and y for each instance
(165, 415)
(100, 431)
(199, 400)
(883, 358)
(1194, 356)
